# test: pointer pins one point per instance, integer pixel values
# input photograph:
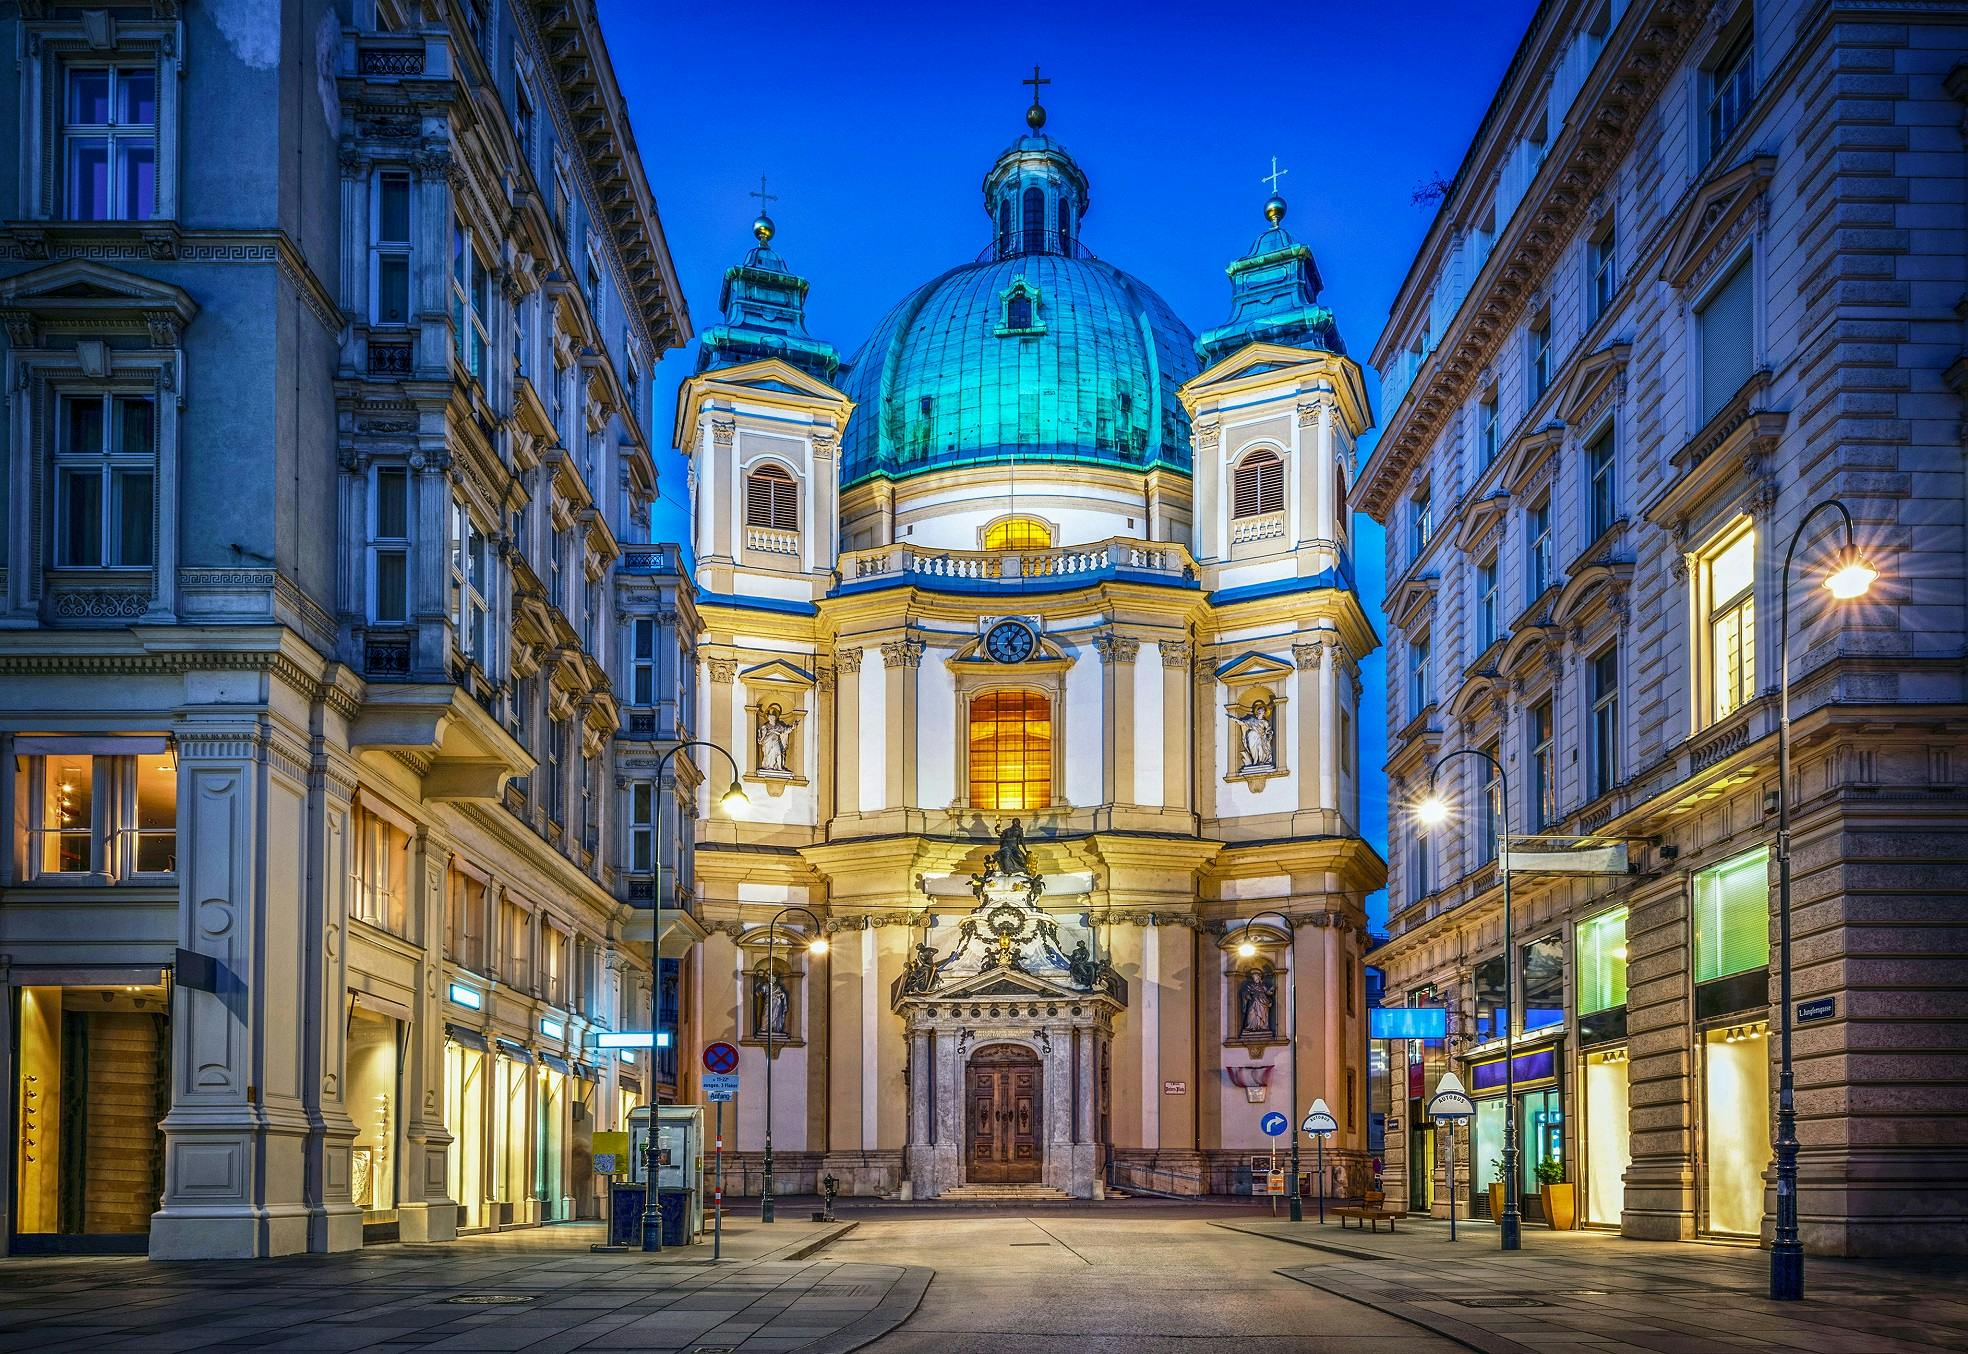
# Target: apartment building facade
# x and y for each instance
(1699, 272)
(327, 349)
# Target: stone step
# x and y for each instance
(975, 1193)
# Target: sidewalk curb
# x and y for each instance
(903, 1298)
(1309, 1245)
(800, 1250)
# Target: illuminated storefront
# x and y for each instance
(1540, 1117)
(93, 1084)
(1731, 906)
(1606, 1143)
(375, 1103)
(466, 1084)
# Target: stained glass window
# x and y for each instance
(1010, 750)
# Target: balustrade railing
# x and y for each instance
(1163, 559)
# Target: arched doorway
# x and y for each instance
(1001, 1093)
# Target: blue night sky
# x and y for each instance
(876, 123)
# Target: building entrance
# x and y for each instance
(1002, 1096)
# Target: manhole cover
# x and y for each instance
(1501, 1302)
(489, 1299)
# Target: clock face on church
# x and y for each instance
(1010, 642)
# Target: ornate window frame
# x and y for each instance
(92, 37)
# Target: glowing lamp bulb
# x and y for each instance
(818, 945)
(1852, 578)
(734, 799)
(1246, 950)
(1432, 811)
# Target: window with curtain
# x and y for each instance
(772, 499)
(1258, 485)
(1732, 916)
(1010, 750)
(382, 872)
(1724, 330)
(1018, 533)
(1728, 584)
(1600, 957)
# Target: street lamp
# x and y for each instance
(1247, 950)
(1851, 576)
(817, 945)
(1434, 810)
(732, 800)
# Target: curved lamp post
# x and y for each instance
(1433, 810)
(817, 945)
(1850, 577)
(732, 799)
(1247, 950)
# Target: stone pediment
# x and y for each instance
(1015, 985)
(775, 375)
(777, 672)
(1253, 667)
(1709, 222)
(78, 292)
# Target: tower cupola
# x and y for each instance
(1036, 194)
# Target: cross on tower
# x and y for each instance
(1035, 82)
(1273, 177)
(763, 196)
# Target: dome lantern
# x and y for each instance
(1036, 195)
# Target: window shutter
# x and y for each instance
(772, 500)
(1728, 352)
(1732, 917)
(1259, 486)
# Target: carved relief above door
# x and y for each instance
(1001, 1096)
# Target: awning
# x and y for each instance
(465, 1038)
(587, 1071)
(100, 745)
(557, 1063)
(519, 1053)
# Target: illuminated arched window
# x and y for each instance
(1032, 227)
(1018, 533)
(772, 499)
(1258, 485)
(1010, 750)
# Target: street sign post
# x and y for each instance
(720, 1085)
(1319, 1122)
(720, 1057)
(1451, 1105)
(1274, 1124)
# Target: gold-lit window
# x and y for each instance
(1727, 579)
(1010, 750)
(1018, 533)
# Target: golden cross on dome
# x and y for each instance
(1273, 177)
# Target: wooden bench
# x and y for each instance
(1371, 1211)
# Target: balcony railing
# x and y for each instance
(1151, 561)
(1269, 527)
(771, 542)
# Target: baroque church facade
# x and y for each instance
(1033, 633)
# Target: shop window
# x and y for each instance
(1607, 1138)
(464, 1119)
(374, 1100)
(1258, 485)
(1736, 1149)
(1542, 984)
(771, 499)
(389, 545)
(1601, 961)
(389, 249)
(382, 873)
(1010, 750)
(1018, 533)
(1725, 576)
(105, 481)
(88, 815)
(109, 142)
(1732, 916)
(1726, 339)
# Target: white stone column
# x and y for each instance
(425, 1211)
(236, 1137)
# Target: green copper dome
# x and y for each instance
(1039, 353)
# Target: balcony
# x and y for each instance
(767, 541)
(1118, 559)
(461, 750)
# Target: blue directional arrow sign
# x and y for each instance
(1274, 1124)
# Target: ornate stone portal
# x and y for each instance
(1016, 985)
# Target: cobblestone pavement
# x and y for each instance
(1592, 1291)
(1104, 1281)
(540, 1289)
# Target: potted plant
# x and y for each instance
(1496, 1191)
(1560, 1196)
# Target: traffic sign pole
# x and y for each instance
(717, 1193)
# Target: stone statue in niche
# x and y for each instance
(775, 735)
(770, 1006)
(1256, 1000)
(1257, 737)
